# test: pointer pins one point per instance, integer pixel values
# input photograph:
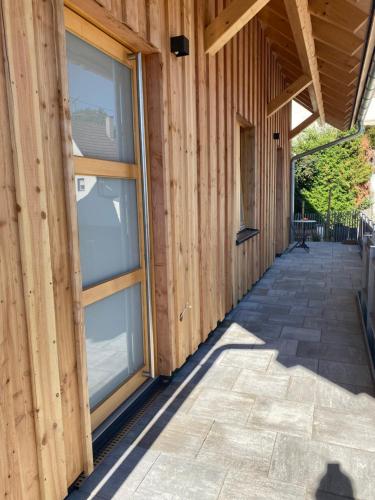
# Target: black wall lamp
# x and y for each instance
(276, 136)
(180, 46)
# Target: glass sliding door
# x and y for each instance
(103, 103)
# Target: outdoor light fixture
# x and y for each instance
(180, 46)
(276, 136)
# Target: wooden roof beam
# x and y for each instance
(300, 23)
(337, 58)
(288, 94)
(309, 120)
(229, 22)
(328, 69)
(341, 13)
(335, 37)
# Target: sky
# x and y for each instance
(299, 113)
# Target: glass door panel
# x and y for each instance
(101, 103)
(108, 227)
(114, 340)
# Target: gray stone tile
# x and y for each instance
(345, 373)
(247, 358)
(219, 377)
(176, 478)
(306, 311)
(238, 447)
(344, 428)
(298, 333)
(333, 352)
(352, 398)
(222, 406)
(335, 336)
(260, 384)
(289, 417)
(242, 485)
(278, 346)
(302, 389)
(291, 320)
(119, 477)
(312, 464)
(293, 365)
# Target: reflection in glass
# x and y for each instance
(114, 341)
(108, 227)
(101, 104)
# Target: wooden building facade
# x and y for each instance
(216, 170)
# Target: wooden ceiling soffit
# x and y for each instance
(337, 58)
(229, 22)
(328, 69)
(290, 69)
(335, 37)
(268, 17)
(286, 56)
(288, 94)
(309, 120)
(300, 22)
(341, 13)
(335, 87)
(280, 40)
(337, 104)
(278, 7)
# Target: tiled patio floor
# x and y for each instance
(277, 404)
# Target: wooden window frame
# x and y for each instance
(246, 195)
(89, 33)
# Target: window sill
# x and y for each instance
(246, 234)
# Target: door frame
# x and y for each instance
(94, 36)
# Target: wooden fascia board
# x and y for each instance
(104, 20)
(309, 120)
(229, 22)
(288, 94)
(300, 23)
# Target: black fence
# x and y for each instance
(332, 226)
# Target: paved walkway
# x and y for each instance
(278, 404)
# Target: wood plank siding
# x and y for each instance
(195, 108)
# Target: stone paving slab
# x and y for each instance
(277, 404)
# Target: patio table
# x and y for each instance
(301, 243)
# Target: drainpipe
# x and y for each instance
(365, 103)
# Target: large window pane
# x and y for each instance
(114, 341)
(108, 227)
(101, 104)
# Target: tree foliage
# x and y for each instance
(340, 173)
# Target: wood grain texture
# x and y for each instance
(194, 109)
(30, 165)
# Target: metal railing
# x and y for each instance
(366, 294)
(337, 226)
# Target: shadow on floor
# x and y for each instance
(230, 336)
(334, 473)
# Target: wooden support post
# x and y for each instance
(30, 180)
(229, 22)
(309, 120)
(289, 93)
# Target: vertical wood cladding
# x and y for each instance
(194, 107)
